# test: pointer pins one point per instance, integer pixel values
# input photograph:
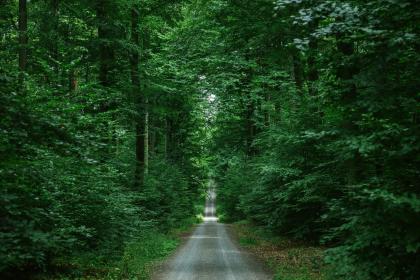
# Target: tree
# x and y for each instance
(23, 36)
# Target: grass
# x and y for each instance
(136, 261)
(141, 255)
(289, 260)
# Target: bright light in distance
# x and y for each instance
(211, 97)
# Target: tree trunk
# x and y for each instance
(267, 109)
(312, 69)
(313, 74)
(346, 71)
(153, 137)
(54, 44)
(73, 80)
(250, 126)
(23, 36)
(297, 71)
(140, 152)
(106, 50)
(146, 138)
(142, 119)
(165, 139)
(49, 41)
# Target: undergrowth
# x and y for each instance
(288, 259)
(136, 261)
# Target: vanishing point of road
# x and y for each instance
(211, 254)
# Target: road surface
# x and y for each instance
(210, 254)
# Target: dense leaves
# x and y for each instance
(305, 112)
(316, 127)
(69, 169)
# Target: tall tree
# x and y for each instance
(23, 35)
(142, 125)
(106, 45)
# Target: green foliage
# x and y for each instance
(316, 126)
(229, 190)
(68, 139)
(140, 254)
(306, 110)
(288, 259)
(166, 196)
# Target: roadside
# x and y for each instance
(142, 257)
(137, 260)
(289, 260)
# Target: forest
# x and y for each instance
(115, 114)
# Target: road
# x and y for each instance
(211, 254)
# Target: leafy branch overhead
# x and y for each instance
(114, 114)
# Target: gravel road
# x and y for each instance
(211, 254)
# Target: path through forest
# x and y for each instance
(211, 254)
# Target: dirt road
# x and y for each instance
(211, 254)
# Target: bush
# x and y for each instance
(141, 253)
(167, 195)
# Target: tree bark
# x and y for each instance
(250, 126)
(154, 136)
(346, 71)
(54, 43)
(140, 152)
(106, 50)
(312, 69)
(141, 120)
(166, 139)
(73, 80)
(267, 110)
(146, 138)
(297, 71)
(313, 74)
(49, 40)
